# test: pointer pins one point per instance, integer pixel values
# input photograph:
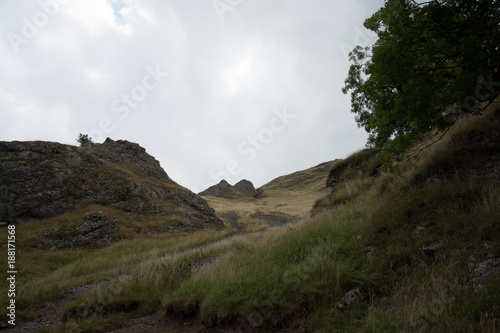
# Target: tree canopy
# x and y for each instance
(432, 63)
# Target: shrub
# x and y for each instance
(83, 139)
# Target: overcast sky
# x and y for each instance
(240, 89)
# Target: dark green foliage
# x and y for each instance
(432, 63)
(124, 192)
(83, 139)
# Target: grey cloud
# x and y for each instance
(226, 78)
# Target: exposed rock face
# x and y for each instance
(243, 188)
(484, 266)
(43, 179)
(246, 188)
(219, 190)
(352, 297)
(97, 230)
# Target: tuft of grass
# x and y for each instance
(359, 164)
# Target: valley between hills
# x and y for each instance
(105, 241)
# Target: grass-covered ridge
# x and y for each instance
(416, 250)
(421, 244)
(288, 197)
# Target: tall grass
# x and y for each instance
(422, 224)
(46, 274)
(404, 239)
(277, 270)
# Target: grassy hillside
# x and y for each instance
(282, 200)
(414, 250)
(46, 274)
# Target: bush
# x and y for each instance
(84, 139)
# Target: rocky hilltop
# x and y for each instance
(243, 188)
(44, 179)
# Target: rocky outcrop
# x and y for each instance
(44, 179)
(483, 266)
(243, 188)
(352, 297)
(246, 188)
(220, 190)
(98, 230)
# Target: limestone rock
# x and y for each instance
(44, 179)
(246, 188)
(353, 296)
(483, 266)
(219, 190)
(97, 230)
(243, 188)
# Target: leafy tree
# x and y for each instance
(83, 139)
(432, 63)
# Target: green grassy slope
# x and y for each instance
(418, 249)
(415, 250)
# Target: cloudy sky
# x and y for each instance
(239, 89)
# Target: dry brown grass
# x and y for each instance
(293, 195)
(45, 273)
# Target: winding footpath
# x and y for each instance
(48, 314)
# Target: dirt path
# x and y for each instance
(275, 219)
(158, 323)
(48, 314)
(49, 319)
